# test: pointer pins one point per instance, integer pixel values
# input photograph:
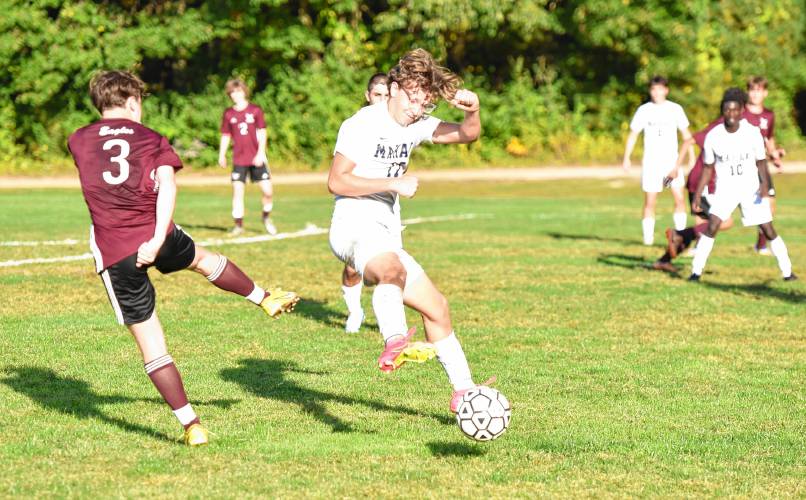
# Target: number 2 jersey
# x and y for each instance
(380, 148)
(734, 156)
(117, 160)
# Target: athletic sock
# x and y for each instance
(666, 257)
(648, 226)
(227, 276)
(387, 302)
(452, 358)
(779, 250)
(267, 207)
(679, 220)
(688, 234)
(165, 377)
(701, 254)
(352, 297)
(762, 240)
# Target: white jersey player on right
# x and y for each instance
(659, 120)
(367, 175)
(735, 149)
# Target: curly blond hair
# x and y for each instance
(418, 68)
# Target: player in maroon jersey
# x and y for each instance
(245, 125)
(127, 178)
(351, 285)
(756, 114)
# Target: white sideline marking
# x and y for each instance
(309, 230)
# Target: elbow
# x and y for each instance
(332, 186)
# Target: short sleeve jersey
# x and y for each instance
(734, 156)
(380, 147)
(117, 161)
(242, 126)
(696, 171)
(765, 121)
(659, 123)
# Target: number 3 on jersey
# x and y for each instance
(120, 159)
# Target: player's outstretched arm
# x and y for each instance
(222, 151)
(342, 182)
(470, 128)
(166, 201)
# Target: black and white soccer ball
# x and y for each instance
(483, 414)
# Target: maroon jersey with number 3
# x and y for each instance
(242, 126)
(117, 161)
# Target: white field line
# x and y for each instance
(309, 230)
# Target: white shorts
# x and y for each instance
(356, 241)
(652, 177)
(755, 209)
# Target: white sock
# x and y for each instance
(352, 297)
(387, 302)
(779, 250)
(452, 357)
(679, 220)
(268, 206)
(701, 254)
(185, 415)
(648, 225)
(257, 295)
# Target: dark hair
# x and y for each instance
(756, 81)
(418, 68)
(236, 84)
(110, 89)
(377, 79)
(733, 94)
(658, 80)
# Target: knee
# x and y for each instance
(207, 262)
(393, 273)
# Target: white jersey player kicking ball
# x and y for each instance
(367, 175)
(736, 151)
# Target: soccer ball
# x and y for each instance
(483, 414)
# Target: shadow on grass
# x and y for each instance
(452, 449)
(267, 378)
(328, 316)
(758, 290)
(624, 261)
(75, 397)
(204, 226)
(591, 237)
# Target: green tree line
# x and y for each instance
(558, 79)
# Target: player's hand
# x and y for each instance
(147, 252)
(259, 160)
(222, 161)
(465, 100)
(405, 186)
(626, 164)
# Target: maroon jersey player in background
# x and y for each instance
(245, 125)
(127, 178)
(756, 114)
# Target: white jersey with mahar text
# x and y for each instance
(659, 123)
(380, 148)
(734, 156)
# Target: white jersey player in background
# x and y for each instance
(659, 120)
(367, 175)
(736, 150)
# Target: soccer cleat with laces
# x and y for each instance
(354, 321)
(278, 302)
(236, 231)
(196, 435)
(267, 223)
(399, 351)
(456, 398)
(668, 267)
(694, 277)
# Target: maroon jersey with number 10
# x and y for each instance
(117, 161)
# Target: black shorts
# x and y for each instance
(705, 207)
(130, 291)
(257, 174)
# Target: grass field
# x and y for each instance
(624, 381)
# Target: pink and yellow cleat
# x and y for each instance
(397, 352)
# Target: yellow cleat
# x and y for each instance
(417, 352)
(196, 435)
(278, 302)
